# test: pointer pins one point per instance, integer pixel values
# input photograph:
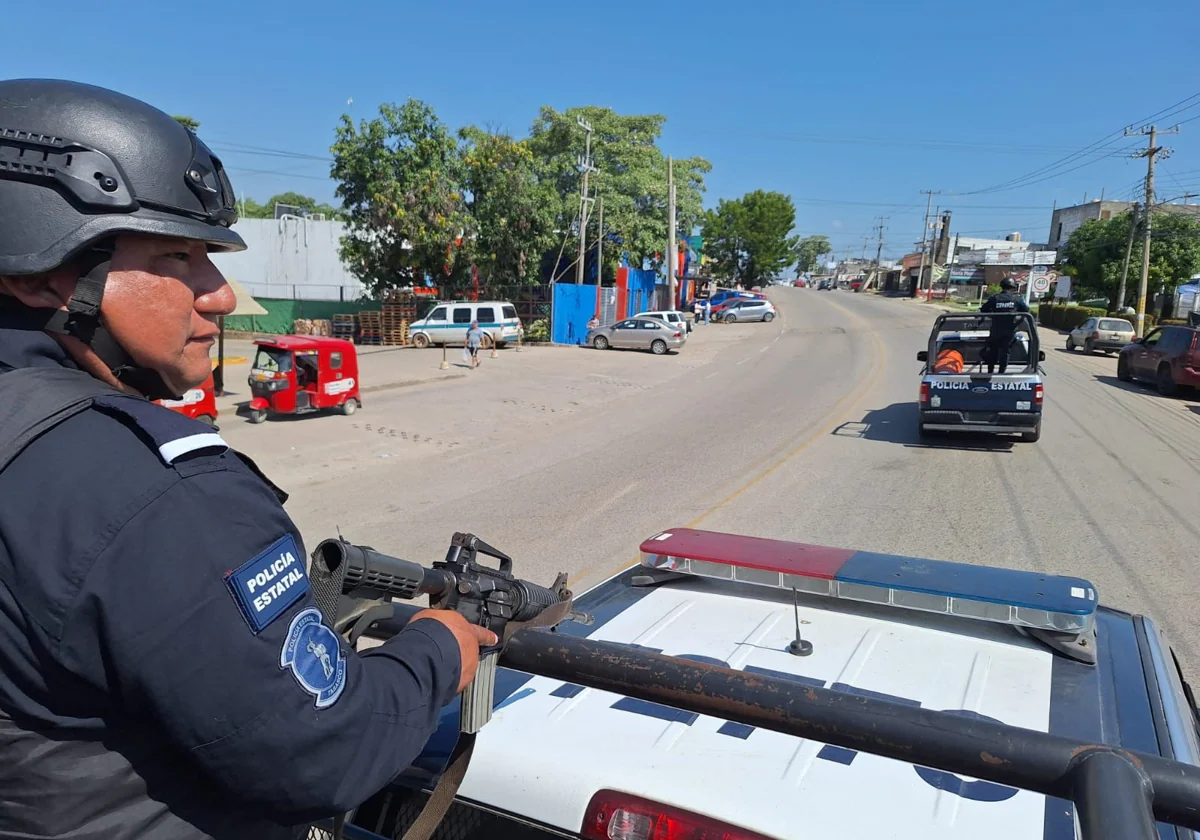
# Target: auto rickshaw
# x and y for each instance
(198, 403)
(296, 374)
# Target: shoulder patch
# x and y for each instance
(173, 434)
(269, 583)
(312, 653)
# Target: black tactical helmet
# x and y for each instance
(1008, 284)
(81, 164)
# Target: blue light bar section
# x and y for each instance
(1033, 590)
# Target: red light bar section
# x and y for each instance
(815, 561)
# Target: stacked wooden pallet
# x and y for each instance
(345, 326)
(309, 326)
(371, 326)
(395, 323)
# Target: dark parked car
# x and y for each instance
(1169, 357)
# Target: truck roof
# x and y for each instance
(551, 746)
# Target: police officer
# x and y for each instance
(164, 671)
(1000, 338)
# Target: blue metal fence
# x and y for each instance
(574, 306)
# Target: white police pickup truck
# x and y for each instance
(959, 395)
(988, 644)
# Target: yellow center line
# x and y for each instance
(836, 412)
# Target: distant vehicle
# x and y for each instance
(1107, 334)
(298, 374)
(726, 294)
(826, 286)
(638, 334)
(198, 403)
(748, 310)
(1169, 357)
(965, 397)
(921, 643)
(673, 317)
(447, 323)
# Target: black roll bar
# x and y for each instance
(1117, 793)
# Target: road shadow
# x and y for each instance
(1079, 351)
(897, 423)
(1134, 386)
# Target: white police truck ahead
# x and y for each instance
(966, 388)
(1026, 649)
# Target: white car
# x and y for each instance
(672, 316)
(821, 632)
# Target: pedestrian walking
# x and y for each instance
(474, 340)
(697, 311)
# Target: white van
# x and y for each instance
(447, 323)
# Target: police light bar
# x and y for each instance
(1050, 603)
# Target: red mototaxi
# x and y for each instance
(198, 403)
(298, 374)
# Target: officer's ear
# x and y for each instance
(50, 290)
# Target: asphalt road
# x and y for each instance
(801, 429)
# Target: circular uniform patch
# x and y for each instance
(312, 653)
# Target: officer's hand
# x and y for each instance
(470, 638)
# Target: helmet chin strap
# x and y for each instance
(81, 320)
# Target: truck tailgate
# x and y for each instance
(964, 393)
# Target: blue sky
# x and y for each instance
(850, 107)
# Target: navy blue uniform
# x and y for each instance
(1003, 328)
(163, 668)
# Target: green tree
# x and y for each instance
(809, 251)
(251, 209)
(632, 178)
(750, 237)
(1095, 252)
(723, 239)
(511, 209)
(399, 178)
(190, 123)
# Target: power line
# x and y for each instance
(1053, 170)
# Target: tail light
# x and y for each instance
(620, 816)
(1037, 394)
(678, 335)
(924, 392)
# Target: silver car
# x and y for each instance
(638, 334)
(1107, 334)
(758, 309)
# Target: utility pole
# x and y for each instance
(1151, 153)
(600, 242)
(671, 246)
(879, 248)
(933, 238)
(585, 166)
(1133, 226)
(925, 232)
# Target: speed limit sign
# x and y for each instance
(1041, 283)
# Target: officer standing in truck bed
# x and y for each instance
(1002, 306)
